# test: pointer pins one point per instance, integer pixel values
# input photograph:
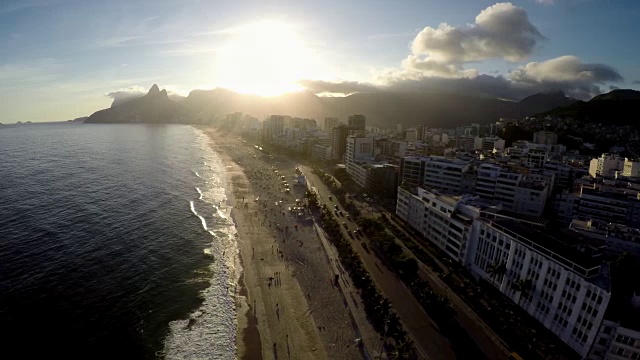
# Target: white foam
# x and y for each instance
(213, 328)
(193, 210)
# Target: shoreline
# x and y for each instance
(273, 317)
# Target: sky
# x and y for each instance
(65, 59)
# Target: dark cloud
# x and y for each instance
(636, 82)
(611, 87)
(501, 31)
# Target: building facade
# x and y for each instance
(561, 285)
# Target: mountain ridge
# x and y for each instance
(617, 107)
(382, 109)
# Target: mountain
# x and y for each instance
(618, 107)
(155, 107)
(619, 94)
(382, 108)
(542, 102)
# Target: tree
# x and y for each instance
(523, 287)
(496, 270)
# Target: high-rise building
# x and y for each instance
(606, 165)
(545, 137)
(411, 172)
(444, 220)
(514, 189)
(452, 176)
(330, 123)
(339, 141)
(358, 123)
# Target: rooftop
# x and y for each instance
(562, 248)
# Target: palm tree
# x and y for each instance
(523, 287)
(496, 270)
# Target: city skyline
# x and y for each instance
(65, 59)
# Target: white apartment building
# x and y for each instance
(606, 165)
(615, 342)
(449, 175)
(359, 149)
(488, 143)
(444, 220)
(551, 277)
(321, 152)
(513, 189)
(616, 238)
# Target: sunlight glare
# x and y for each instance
(264, 58)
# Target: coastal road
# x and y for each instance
(423, 331)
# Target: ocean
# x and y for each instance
(116, 242)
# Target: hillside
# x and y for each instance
(618, 107)
(382, 109)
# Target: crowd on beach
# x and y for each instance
(275, 204)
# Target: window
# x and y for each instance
(602, 341)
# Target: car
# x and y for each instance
(345, 225)
(350, 234)
(331, 198)
(335, 207)
(348, 217)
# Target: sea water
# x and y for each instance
(116, 241)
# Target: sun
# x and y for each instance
(266, 58)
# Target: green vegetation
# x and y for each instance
(437, 306)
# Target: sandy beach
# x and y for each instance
(287, 304)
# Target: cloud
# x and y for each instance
(612, 87)
(566, 73)
(546, 2)
(23, 5)
(566, 69)
(339, 87)
(121, 96)
(427, 66)
(501, 31)
(636, 82)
